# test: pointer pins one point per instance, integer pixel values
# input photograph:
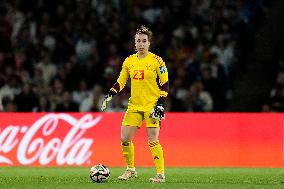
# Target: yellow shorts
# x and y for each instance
(132, 118)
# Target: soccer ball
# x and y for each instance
(99, 173)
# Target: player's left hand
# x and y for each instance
(158, 112)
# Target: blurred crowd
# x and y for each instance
(275, 101)
(275, 98)
(64, 55)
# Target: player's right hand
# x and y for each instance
(105, 102)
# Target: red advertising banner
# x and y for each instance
(188, 139)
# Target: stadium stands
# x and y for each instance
(58, 55)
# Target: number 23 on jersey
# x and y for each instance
(138, 75)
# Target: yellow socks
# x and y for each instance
(128, 152)
(158, 156)
(156, 150)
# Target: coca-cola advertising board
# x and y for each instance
(188, 139)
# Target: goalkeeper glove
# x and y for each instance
(158, 112)
(105, 102)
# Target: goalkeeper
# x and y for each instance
(149, 89)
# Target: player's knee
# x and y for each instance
(153, 135)
(152, 138)
(125, 139)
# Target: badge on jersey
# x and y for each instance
(163, 69)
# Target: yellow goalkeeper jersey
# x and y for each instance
(146, 76)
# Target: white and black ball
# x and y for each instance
(99, 173)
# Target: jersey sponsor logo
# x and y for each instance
(138, 75)
(148, 66)
(163, 69)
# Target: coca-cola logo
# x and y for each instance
(32, 145)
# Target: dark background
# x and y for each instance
(222, 55)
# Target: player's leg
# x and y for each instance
(153, 130)
(129, 127)
(127, 134)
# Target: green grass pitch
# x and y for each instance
(78, 177)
